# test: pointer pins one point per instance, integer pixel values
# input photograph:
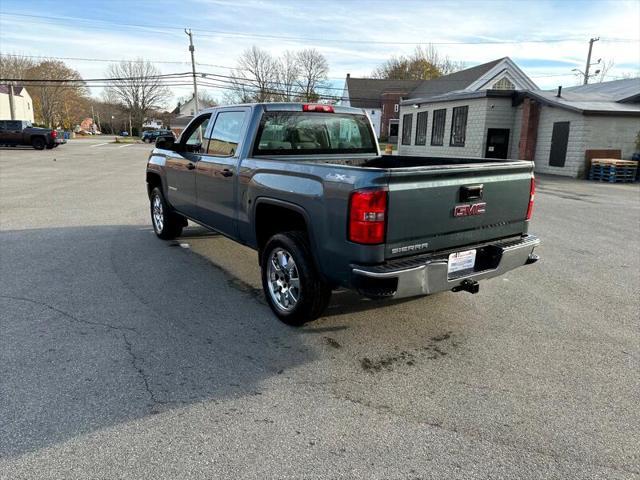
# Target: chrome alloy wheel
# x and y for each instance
(157, 213)
(284, 280)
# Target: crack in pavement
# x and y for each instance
(141, 373)
(68, 315)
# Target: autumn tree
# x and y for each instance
(61, 97)
(423, 64)
(138, 87)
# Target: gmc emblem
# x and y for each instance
(467, 210)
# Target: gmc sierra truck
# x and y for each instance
(20, 132)
(307, 187)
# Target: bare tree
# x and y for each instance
(15, 66)
(287, 73)
(61, 102)
(137, 86)
(314, 69)
(255, 77)
(605, 68)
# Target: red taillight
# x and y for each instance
(315, 107)
(532, 194)
(367, 216)
(54, 133)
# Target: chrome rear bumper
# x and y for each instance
(425, 275)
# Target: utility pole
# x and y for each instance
(12, 105)
(193, 69)
(586, 68)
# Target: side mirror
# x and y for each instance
(166, 143)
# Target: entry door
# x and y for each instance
(559, 142)
(497, 143)
(181, 164)
(217, 172)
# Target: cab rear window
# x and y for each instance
(305, 133)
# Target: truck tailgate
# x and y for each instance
(491, 200)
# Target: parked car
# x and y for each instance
(20, 132)
(150, 136)
(306, 186)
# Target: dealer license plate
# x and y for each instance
(462, 261)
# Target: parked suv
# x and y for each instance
(150, 136)
(20, 132)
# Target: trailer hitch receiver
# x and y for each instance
(470, 286)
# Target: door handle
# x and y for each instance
(190, 166)
(227, 173)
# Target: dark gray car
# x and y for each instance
(306, 186)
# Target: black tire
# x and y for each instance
(38, 143)
(171, 223)
(314, 292)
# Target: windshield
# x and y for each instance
(302, 133)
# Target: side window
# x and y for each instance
(3, 126)
(195, 134)
(226, 134)
(437, 127)
(407, 121)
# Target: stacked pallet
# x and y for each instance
(613, 170)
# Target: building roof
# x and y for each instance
(17, 91)
(624, 90)
(454, 81)
(620, 97)
(367, 92)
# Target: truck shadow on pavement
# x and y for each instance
(102, 325)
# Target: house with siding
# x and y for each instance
(381, 98)
(504, 115)
(22, 104)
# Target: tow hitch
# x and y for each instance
(470, 286)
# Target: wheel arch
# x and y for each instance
(292, 217)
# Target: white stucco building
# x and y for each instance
(22, 103)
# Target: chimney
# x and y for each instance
(559, 94)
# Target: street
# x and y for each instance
(125, 356)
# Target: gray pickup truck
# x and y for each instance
(306, 186)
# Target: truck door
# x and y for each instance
(217, 171)
(181, 167)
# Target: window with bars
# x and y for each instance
(421, 128)
(458, 126)
(437, 127)
(407, 121)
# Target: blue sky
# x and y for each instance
(550, 38)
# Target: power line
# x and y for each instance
(213, 33)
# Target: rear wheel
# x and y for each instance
(292, 285)
(166, 224)
(38, 143)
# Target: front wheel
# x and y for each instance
(292, 285)
(167, 224)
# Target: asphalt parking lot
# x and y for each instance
(123, 356)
